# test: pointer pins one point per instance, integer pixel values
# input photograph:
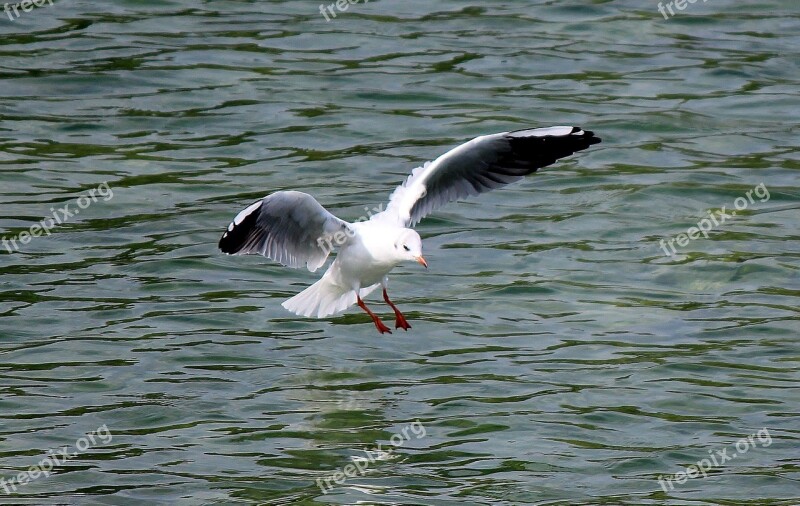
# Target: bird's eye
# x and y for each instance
(406, 248)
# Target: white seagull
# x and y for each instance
(292, 228)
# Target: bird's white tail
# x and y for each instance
(324, 298)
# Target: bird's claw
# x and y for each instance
(383, 329)
(401, 323)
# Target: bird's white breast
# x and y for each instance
(370, 255)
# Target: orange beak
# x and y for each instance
(421, 260)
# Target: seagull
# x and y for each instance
(292, 228)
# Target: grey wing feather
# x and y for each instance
(480, 165)
(289, 227)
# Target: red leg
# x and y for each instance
(377, 321)
(401, 320)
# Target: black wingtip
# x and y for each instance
(537, 148)
(235, 238)
(588, 136)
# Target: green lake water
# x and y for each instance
(558, 356)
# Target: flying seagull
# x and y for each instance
(292, 228)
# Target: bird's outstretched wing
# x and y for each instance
(480, 165)
(289, 227)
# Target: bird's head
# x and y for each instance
(408, 247)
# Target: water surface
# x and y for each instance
(557, 355)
